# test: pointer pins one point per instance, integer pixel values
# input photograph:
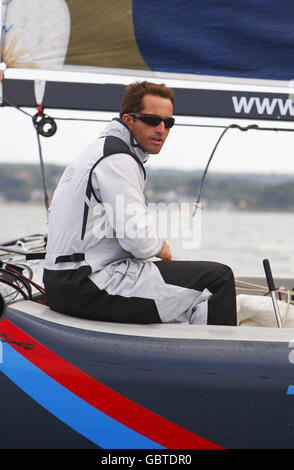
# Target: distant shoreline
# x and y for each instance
(28, 204)
(20, 185)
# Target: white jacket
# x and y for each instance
(98, 218)
(98, 208)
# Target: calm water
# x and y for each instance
(239, 239)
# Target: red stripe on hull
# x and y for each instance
(100, 396)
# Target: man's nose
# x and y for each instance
(160, 127)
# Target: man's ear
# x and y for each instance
(127, 119)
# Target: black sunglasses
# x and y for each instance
(153, 120)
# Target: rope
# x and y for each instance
(13, 278)
(28, 280)
(43, 175)
(243, 285)
(287, 294)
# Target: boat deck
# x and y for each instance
(176, 331)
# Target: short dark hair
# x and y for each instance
(132, 101)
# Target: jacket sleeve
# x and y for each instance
(120, 183)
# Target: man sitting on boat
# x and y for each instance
(100, 238)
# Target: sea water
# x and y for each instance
(241, 239)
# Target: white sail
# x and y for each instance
(34, 34)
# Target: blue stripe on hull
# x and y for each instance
(76, 413)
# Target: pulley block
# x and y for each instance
(45, 125)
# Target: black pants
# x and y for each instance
(216, 277)
(71, 292)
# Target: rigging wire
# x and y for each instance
(216, 126)
(43, 174)
(225, 129)
(202, 181)
(198, 197)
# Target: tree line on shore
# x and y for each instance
(23, 183)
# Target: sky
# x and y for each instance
(187, 147)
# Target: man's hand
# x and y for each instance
(165, 253)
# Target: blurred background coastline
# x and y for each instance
(245, 217)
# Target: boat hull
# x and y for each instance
(66, 386)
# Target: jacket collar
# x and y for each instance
(119, 129)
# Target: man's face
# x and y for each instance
(150, 138)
